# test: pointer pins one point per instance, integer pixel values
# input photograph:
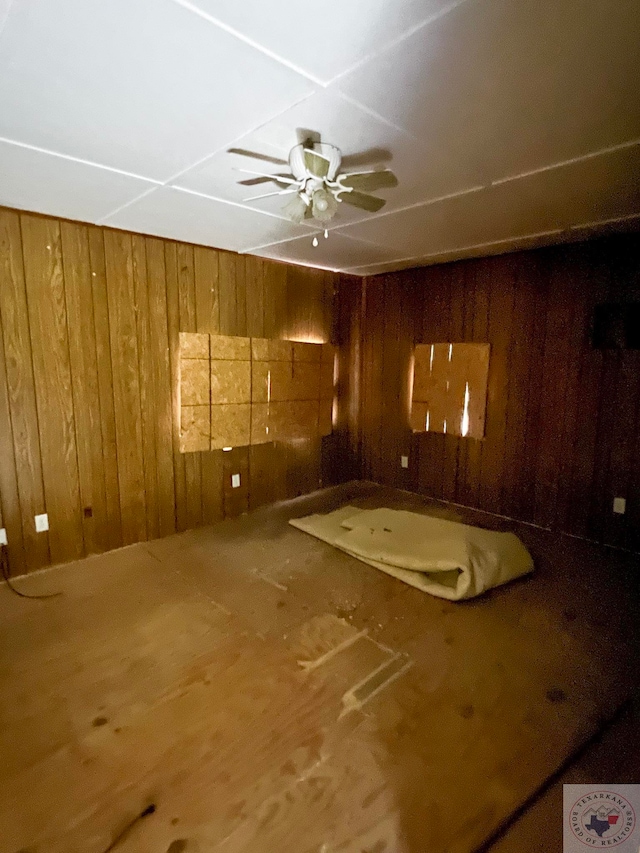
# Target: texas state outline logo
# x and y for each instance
(601, 818)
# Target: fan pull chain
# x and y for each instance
(314, 242)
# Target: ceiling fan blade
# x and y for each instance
(268, 195)
(369, 181)
(257, 156)
(252, 182)
(364, 202)
(316, 163)
(369, 157)
(279, 179)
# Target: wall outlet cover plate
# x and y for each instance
(404, 461)
(619, 506)
(42, 522)
(235, 481)
(3, 536)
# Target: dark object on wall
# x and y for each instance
(617, 326)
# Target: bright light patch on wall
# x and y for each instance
(227, 449)
(309, 339)
(449, 393)
(464, 426)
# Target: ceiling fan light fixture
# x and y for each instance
(296, 208)
(323, 205)
(316, 184)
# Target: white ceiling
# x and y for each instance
(509, 123)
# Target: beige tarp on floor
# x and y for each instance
(441, 557)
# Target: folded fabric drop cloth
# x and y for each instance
(444, 558)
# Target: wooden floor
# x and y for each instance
(268, 694)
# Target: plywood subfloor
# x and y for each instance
(267, 693)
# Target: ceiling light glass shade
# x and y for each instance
(295, 208)
(323, 205)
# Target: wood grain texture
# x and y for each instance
(89, 400)
(148, 390)
(207, 290)
(563, 420)
(160, 378)
(84, 377)
(44, 282)
(10, 517)
(188, 323)
(113, 532)
(273, 695)
(21, 392)
(126, 384)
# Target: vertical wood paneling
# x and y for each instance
(254, 280)
(372, 355)
(160, 379)
(126, 384)
(241, 296)
(228, 308)
(21, 390)
(84, 376)
(44, 282)
(562, 430)
(207, 290)
(9, 498)
(500, 334)
(148, 412)
(113, 532)
(173, 329)
(188, 323)
(89, 391)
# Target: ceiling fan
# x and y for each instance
(316, 183)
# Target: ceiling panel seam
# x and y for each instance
(241, 206)
(170, 181)
(368, 111)
(192, 7)
(611, 149)
(629, 217)
(447, 197)
(83, 162)
(103, 219)
(507, 241)
(396, 41)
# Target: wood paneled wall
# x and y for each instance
(89, 334)
(563, 420)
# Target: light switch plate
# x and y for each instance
(3, 536)
(235, 481)
(42, 522)
(404, 461)
(619, 506)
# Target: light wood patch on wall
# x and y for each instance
(450, 389)
(259, 391)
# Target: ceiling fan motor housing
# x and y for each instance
(300, 167)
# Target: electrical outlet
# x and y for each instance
(3, 536)
(235, 481)
(619, 506)
(404, 461)
(42, 522)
